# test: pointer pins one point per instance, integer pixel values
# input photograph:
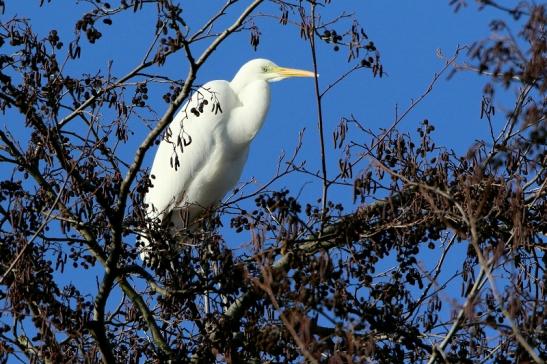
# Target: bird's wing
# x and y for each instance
(186, 146)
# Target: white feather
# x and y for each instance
(201, 157)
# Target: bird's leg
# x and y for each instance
(210, 225)
(206, 302)
(216, 272)
(208, 267)
(184, 217)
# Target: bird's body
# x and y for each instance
(204, 149)
(212, 162)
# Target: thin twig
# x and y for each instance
(267, 275)
(485, 266)
(470, 301)
(318, 96)
(411, 107)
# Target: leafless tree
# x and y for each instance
(307, 287)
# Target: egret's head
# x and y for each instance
(266, 70)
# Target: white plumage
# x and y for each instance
(204, 149)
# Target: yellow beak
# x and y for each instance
(293, 72)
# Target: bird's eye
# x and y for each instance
(265, 68)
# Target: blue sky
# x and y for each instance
(408, 34)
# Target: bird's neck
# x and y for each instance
(247, 119)
(240, 81)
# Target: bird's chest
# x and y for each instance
(220, 173)
(225, 163)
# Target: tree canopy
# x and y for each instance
(409, 251)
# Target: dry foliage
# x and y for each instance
(308, 287)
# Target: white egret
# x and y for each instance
(204, 149)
